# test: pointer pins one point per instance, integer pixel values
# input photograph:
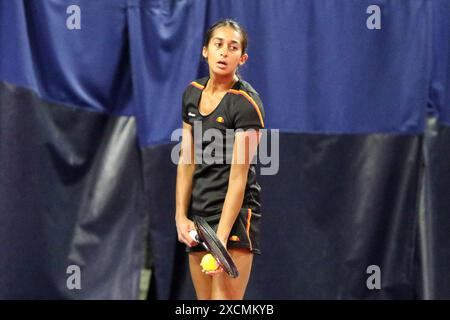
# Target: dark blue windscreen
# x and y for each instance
(316, 64)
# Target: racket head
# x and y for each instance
(215, 247)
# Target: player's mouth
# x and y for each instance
(222, 64)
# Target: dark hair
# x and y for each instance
(227, 23)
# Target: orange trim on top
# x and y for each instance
(249, 218)
(250, 99)
(197, 85)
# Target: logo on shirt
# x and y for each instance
(190, 114)
(234, 238)
(220, 120)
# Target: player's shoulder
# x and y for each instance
(247, 103)
(193, 89)
(245, 94)
(197, 84)
(246, 87)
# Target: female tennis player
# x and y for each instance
(216, 177)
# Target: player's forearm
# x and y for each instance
(232, 205)
(185, 172)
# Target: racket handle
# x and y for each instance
(194, 235)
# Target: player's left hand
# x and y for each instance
(219, 270)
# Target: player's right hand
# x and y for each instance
(184, 225)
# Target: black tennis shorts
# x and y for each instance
(244, 234)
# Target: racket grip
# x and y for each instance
(194, 235)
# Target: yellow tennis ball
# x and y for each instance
(209, 263)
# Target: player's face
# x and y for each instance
(224, 51)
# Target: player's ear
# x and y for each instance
(243, 59)
(205, 53)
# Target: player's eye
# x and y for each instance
(218, 44)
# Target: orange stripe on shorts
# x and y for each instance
(249, 218)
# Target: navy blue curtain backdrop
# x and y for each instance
(439, 100)
(86, 117)
(435, 204)
(71, 195)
